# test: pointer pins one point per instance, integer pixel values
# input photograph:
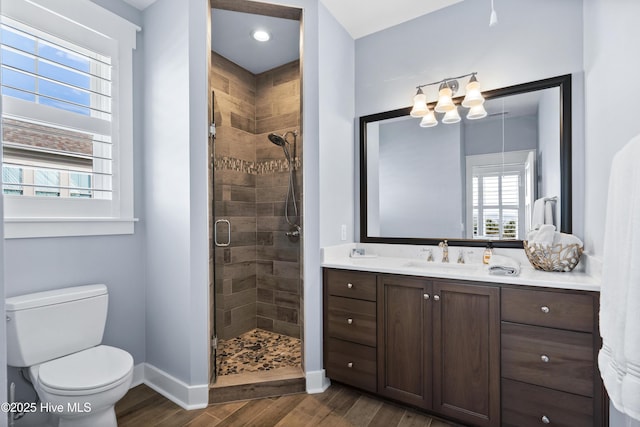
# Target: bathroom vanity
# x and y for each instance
(477, 349)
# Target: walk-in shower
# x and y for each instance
(282, 141)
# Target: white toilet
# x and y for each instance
(57, 335)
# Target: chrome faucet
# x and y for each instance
(445, 251)
(461, 257)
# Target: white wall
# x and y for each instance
(3, 331)
(175, 197)
(337, 110)
(611, 34)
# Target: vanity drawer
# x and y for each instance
(351, 284)
(555, 309)
(553, 358)
(352, 364)
(352, 320)
(525, 405)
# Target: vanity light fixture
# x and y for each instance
(446, 90)
(261, 35)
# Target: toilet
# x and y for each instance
(57, 335)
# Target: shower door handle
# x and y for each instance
(215, 232)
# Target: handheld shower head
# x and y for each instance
(277, 139)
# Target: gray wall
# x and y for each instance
(3, 331)
(175, 197)
(33, 265)
(420, 180)
(548, 149)
(485, 136)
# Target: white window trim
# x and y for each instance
(509, 161)
(116, 37)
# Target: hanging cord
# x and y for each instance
(291, 193)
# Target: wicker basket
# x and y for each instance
(553, 257)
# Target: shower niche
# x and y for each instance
(256, 201)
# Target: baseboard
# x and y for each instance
(317, 381)
(186, 396)
(138, 375)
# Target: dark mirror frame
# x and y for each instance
(561, 82)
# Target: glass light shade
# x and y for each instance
(477, 112)
(473, 96)
(445, 103)
(420, 108)
(429, 120)
(451, 116)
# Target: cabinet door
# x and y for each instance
(466, 361)
(404, 340)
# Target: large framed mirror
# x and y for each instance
(472, 182)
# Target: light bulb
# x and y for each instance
(477, 112)
(429, 120)
(420, 108)
(473, 96)
(451, 116)
(445, 103)
(261, 35)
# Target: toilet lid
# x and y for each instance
(88, 369)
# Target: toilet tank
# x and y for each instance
(51, 324)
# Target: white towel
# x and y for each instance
(542, 213)
(619, 358)
(543, 236)
(503, 266)
(566, 239)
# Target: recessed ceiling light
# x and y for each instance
(261, 35)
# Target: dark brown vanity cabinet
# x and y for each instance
(438, 347)
(482, 355)
(549, 359)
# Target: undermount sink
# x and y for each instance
(431, 265)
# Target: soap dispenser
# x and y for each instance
(487, 253)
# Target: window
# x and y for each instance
(496, 202)
(66, 119)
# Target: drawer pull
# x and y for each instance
(436, 297)
(426, 296)
(544, 309)
(544, 358)
(350, 285)
(350, 321)
(350, 365)
(545, 420)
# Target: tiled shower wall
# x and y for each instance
(278, 258)
(258, 276)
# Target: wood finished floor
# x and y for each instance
(338, 406)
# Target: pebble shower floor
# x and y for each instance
(257, 350)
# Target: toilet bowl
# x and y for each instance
(57, 335)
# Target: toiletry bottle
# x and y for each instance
(487, 253)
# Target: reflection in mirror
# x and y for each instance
(475, 180)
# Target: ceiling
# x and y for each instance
(231, 38)
(364, 17)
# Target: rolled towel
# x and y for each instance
(503, 266)
(566, 239)
(544, 236)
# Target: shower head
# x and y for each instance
(277, 139)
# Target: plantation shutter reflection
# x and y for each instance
(497, 200)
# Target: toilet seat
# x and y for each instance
(85, 372)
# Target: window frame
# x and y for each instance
(500, 164)
(88, 25)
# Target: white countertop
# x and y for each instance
(409, 260)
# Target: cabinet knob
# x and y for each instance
(350, 365)
(426, 296)
(349, 321)
(544, 358)
(545, 420)
(350, 285)
(544, 309)
(436, 297)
